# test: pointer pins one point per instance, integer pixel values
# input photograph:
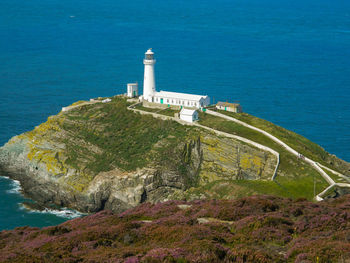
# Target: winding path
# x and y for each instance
(314, 164)
(220, 133)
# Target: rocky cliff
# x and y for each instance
(102, 156)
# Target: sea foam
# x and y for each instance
(64, 212)
(15, 187)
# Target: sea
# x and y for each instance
(284, 61)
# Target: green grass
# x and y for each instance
(302, 187)
(125, 139)
(335, 177)
(166, 111)
(293, 176)
(108, 135)
(140, 107)
(294, 140)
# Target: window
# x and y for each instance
(149, 56)
(167, 101)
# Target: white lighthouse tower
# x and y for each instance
(149, 83)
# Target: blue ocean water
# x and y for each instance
(284, 61)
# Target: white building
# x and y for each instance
(180, 99)
(165, 97)
(149, 82)
(133, 90)
(188, 115)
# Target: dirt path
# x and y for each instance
(313, 163)
(220, 133)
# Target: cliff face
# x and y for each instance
(102, 156)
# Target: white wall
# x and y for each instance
(179, 102)
(131, 88)
(149, 83)
(187, 118)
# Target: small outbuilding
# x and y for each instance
(132, 90)
(226, 106)
(188, 115)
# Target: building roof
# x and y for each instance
(227, 104)
(177, 95)
(149, 51)
(187, 112)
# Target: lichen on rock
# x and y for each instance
(103, 156)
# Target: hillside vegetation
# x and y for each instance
(102, 155)
(294, 177)
(257, 229)
(125, 140)
(100, 137)
(294, 140)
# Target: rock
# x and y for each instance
(184, 207)
(69, 161)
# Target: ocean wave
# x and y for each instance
(15, 187)
(64, 212)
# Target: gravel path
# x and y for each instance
(313, 163)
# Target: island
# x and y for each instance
(114, 154)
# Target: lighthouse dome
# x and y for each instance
(149, 55)
(149, 51)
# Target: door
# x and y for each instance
(161, 101)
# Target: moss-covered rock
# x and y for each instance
(101, 155)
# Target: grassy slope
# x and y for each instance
(126, 140)
(167, 111)
(105, 136)
(300, 178)
(294, 140)
(295, 177)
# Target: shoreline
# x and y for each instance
(31, 206)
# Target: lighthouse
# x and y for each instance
(149, 83)
(164, 99)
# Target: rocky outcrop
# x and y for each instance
(225, 158)
(203, 160)
(338, 164)
(69, 161)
